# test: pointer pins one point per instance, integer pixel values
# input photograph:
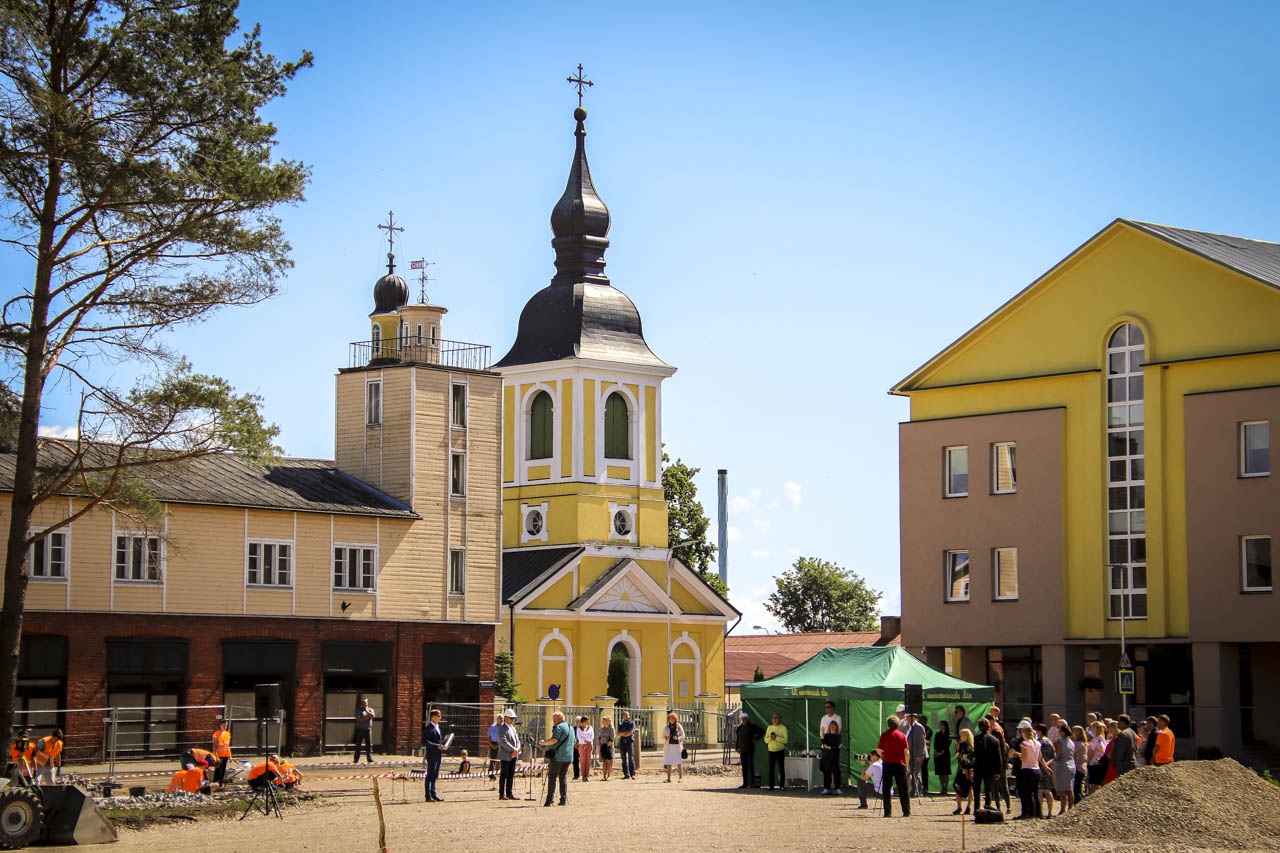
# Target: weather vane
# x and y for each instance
(579, 82)
(391, 229)
(422, 264)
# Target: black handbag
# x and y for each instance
(550, 754)
(684, 753)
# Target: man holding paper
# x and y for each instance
(435, 745)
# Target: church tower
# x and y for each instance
(586, 569)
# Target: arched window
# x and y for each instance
(617, 428)
(540, 420)
(1126, 474)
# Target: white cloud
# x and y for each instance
(735, 535)
(55, 431)
(793, 552)
(792, 488)
(755, 494)
(761, 524)
(760, 554)
(740, 504)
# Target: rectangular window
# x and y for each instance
(418, 334)
(1128, 588)
(957, 566)
(1255, 555)
(458, 474)
(1005, 563)
(957, 474)
(459, 405)
(1004, 468)
(354, 567)
(269, 564)
(47, 557)
(373, 404)
(1255, 449)
(138, 557)
(457, 571)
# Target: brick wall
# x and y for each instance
(88, 633)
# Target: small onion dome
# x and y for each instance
(390, 292)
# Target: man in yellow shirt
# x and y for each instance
(1164, 741)
(775, 738)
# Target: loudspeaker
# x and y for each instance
(913, 698)
(266, 700)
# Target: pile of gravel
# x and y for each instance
(174, 799)
(1184, 804)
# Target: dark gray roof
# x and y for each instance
(525, 568)
(599, 583)
(304, 485)
(1255, 258)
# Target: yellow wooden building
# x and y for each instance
(586, 566)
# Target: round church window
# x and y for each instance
(533, 522)
(622, 523)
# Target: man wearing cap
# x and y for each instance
(508, 752)
(744, 741)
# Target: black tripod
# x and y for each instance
(264, 797)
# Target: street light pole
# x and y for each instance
(1124, 607)
(671, 670)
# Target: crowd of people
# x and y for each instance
(1041, 763)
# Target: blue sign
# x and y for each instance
(1124, 682)
(553, 692)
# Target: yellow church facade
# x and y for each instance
(586, 564)
(1093, 458)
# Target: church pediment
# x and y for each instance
(624, 588)
(625, 595)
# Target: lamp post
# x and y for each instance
(671, 670)
(762, 628)
(1124, 607)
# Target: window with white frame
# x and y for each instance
(373, 403)
(533, 523)
(269, 563)
(1255, 449)
(457, 571)
(957, 575)
(458, 474)
(139, 557)
(417, 334)
(1255, 559)
(1004, 468)
(459, 405)
(355, 567)
(1126, 474)
(957, 473)
(623, 525)
(1004, 563)
(47, 557)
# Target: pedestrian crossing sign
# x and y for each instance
(1124, 678)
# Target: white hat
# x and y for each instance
(1024, 725)
(901, 708)
(745, 715)
(509, 714)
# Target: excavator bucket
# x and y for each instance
(72, 817)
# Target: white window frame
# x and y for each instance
(263, 545)
(1244, 472)
(417, 334)
(457, 489)
(458, 555)
(145, 567)
(525, 511)
(1244, 565)
(629, 510)
(995, 574)
(45, 577)
(458, 416)
(946, 471)
(346, 548)
(373, 403)
(947, 569)
(995, 469)
(1124, 419)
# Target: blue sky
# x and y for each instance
(808, 199)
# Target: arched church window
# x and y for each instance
(617, 428)
(540, 422)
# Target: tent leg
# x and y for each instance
(809, 770)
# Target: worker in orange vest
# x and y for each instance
(290, 776)
(222, 749)
(199, 757)
(48, 756)
(268, 772)
(21, 753)
(191, 780)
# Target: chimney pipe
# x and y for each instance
(722, 556)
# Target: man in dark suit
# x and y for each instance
(433, 741)
(987, 765)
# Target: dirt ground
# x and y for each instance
(702, 813)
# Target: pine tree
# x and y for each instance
(619, 684)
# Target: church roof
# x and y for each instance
(580, 314)
(525, 568)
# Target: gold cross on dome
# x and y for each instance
(579, 82)
(391, 229)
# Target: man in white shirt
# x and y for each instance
(872, 779)
(825, 726)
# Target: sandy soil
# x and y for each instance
(700, 814)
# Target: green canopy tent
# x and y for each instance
(865, 684)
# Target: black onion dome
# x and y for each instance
(390, 292)
(580, 314)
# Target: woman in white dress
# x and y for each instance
(673, 737)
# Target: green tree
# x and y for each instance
(504, 677)
(619, 683)
(137, 176)
(759, 674)
(687, 520)
(816, 595)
